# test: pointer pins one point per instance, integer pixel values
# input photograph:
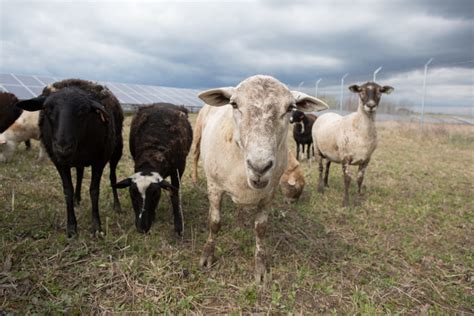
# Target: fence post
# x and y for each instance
(376, 72)
(342, 91)
(424, 93)
(317, 85)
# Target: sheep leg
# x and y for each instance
(360, 176)
(321, 181)
(77, 191)
(94, 191)
(176, 203)
(297, 151)
(65, 173)
(215, 197)
(261, 222)
(308, 151)
(347, 182)
(113, 180)
(319, 158)
(42, 152)
(28, 144)
(326, 174)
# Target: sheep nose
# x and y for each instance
(63, 149)
(260, 168)
(371, 104)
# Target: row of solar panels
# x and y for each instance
(26, 87)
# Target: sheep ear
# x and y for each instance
(125, 183)
(32, 105)
(167, 186)
(217, 97)
(307, 103)
(99, 108)
(386, 89)
(354, 88)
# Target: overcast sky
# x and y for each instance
(202, 44)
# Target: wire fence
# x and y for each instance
(449, 92)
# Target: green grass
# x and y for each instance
(407, 249)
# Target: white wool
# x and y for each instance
(24, 128)
(144, 181)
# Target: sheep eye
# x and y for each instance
(290, 108)
(234, 104)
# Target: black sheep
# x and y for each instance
(160, 139)
(303, 123)
(9, 112)
(80, 125)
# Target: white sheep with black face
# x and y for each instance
(241, 134)
(350, 139)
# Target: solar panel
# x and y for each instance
(28, 80)
(20, 91)
(147, 89)
(113, 88)
(36, 90)
(123, 98)
(123, 87)
(8, 79)
(139, 89)
(141, 98)
(25, 87)
(46, 80)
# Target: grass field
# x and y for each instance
(408, 248)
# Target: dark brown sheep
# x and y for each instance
(160, 139)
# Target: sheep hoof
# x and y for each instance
(207, 258)
(206, 261)
(71, 230)
(179, 232)
(117, 208)
(99, 233)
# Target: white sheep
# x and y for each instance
(24, 128)
(241, 136)
(351, 139)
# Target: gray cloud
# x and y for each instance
(202, 44)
